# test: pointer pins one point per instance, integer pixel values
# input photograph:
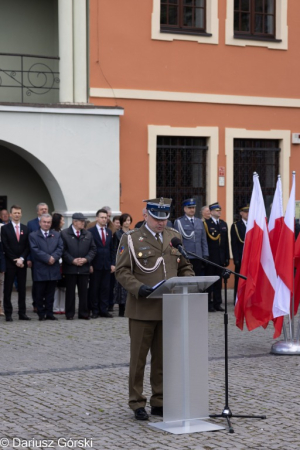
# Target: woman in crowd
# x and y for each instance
(120, 293)
(59, 297)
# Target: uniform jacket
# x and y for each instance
(2, 259)
(198, 243)
(105, 256)
(131, 277)
(236, 244)
(218, 249)
(74, 247)
(41, 250)
(11, 246)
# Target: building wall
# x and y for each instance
(185, 84)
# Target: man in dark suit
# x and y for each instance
(218, 247)
(15, 243)
(103, 265)
(34, 225)
(237, 233)
(46, 249)
(79, 252)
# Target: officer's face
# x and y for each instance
(156, 225)
(244, 215)
(190, 210)
(216, 214)
(45, 223)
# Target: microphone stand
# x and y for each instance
(226, 413)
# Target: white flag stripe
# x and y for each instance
(266, 258)
(289, 218)
(277, 208)
(281, 307)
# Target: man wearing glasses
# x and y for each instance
(193, 235)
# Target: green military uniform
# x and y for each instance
(143, 260)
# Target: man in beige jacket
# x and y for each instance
(145, 258)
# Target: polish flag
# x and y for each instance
(297, 276)
(276, 218)
(284, 260)
(275, 227)
(255, 295)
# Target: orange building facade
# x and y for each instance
(210, 91)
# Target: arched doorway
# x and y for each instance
(26, 181)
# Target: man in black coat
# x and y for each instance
(218, 247)
(15, 243)
(46, 249)
(79, 252)
(103, 266)
(237, 234)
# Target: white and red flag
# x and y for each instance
(276, 218)
(284, 260)
(275, 227)
(256, 294)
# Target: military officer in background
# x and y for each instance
(193, 235)
(237, 234)
(218, 247)
(144, 259)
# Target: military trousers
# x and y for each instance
(145, 336)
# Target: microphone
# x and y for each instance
(176, 243)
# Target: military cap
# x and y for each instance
(159, 208)
(215, 207)
(189, 202)
(244, 208)
(78, 216)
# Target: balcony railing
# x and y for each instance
(29, 78)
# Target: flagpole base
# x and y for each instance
(286, 348)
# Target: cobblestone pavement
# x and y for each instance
(68, 379)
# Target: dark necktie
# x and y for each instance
(46, 234)
(103, 237)
(192, 221)
(78, 233)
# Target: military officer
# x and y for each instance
(145, 258)
(218, 247)
(193, 235)
(237, 234)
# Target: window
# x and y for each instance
(254, 18)
(255, 155)
(183, 16)
(181, 171)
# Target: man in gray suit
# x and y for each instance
(193, 235)
(46, 249)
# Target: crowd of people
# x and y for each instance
(81, 256)
(84, 256)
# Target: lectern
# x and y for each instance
(185, 355)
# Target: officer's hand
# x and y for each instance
(145, 290)
(226, 263)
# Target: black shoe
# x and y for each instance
(84, 317)
(157, 411)
(107, 315)
(219, 308)
(9, 319)
(141, 414)
(211, 309)
(69, 318)
(24, 317)
(51, 318)
(42, 318)
(94, 316)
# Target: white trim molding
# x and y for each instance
(212, 26)
(281, 29)
(212, 135)
(193, 97)
(284, 136)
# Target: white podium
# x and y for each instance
(185, 355)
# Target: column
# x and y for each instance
(65, 36)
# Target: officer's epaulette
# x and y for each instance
(173, 229)
(130, 231)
